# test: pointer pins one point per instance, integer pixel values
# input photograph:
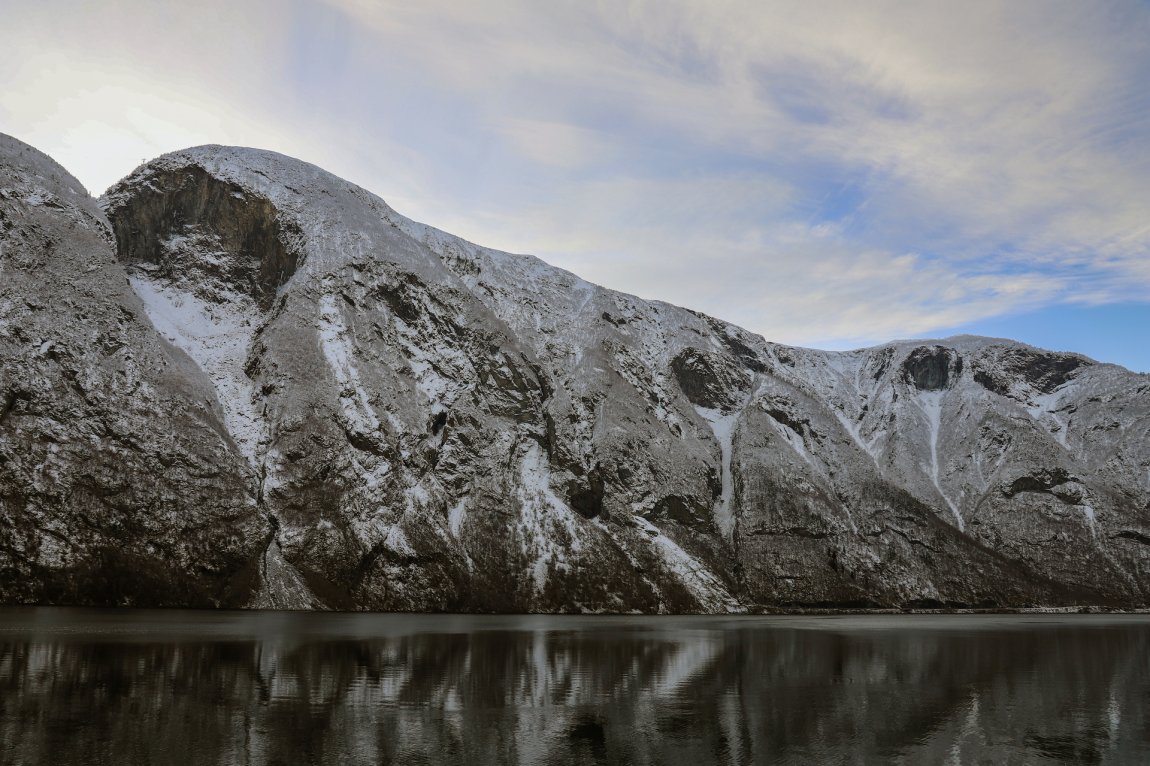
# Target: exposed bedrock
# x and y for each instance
(189, 224)
(118, 481)
(931, 368)
(709, 380)
(1042, 371)
(301, 399)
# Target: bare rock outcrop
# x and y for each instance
(118, 479)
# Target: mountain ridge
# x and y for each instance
(427, 424)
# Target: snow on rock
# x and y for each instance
(547, 529)
(428, 358)
(1046, 408)
(338, 348)
(869, 446)
(723, 425)
(281, 586)
(455, 516)
(118, 483)
(930, 402)
(707, 589)
(434, 420)
(217, 336)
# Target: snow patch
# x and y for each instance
(542, 512)
(1091, 520)
(723, 425)
(707, 589)
(397, 541)
(217, 337)
(371, 469)
(794, 439)
(455, 516)
(852, 427)
(427, 357)
(338, 348)
(930, 402)
(1043, 407)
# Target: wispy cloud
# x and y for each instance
(1000, 150)
(829, 173)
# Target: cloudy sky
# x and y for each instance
(831, 174)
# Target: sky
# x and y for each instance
(830, 174)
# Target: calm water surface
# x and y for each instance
(161, 687)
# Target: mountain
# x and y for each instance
(118, 479)
(331, 406)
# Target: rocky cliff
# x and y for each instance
(119, 482)
(261, 386)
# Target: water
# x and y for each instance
(162, 687)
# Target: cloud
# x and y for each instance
(102, 88)
(826, 173)
(556, 143)
(996, 149)
(101, 94)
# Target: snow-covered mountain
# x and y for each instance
(118, 481)
(338, 407)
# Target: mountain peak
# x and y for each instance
(430, 424)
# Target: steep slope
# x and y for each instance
(118, 482)
(1040, 456)
(436, 425)
(836, 468)
(401, 432)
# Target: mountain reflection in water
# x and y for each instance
(151, 687)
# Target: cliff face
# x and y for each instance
(118, 481)
(383, 416)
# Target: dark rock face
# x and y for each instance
(931, 368)
(305, 400)
(1044, 371)
(708, 380)
(188, 223)
(1041, 481)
